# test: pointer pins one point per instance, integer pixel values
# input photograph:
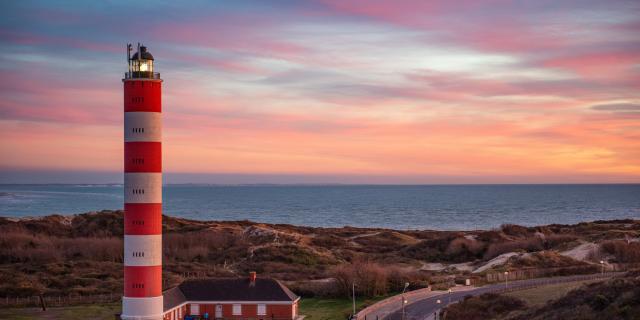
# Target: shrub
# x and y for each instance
(370, 279)
(515, 230)
(625, 252)
(528, 245)
(485, 306)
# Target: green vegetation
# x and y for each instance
(332, 309)
(94, 312)
(313, 308)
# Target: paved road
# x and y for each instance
(424, 309)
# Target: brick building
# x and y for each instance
(231, 298)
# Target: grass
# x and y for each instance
(332, 309)
(536, 297)
(313, 308)
(98, 312)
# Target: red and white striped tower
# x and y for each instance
(142, 189)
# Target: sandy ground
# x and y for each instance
(499, 260)
(581, 252)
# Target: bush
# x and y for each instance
(528, 245)
(485, 306)
(624, 252)
(370, 278)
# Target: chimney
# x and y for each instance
(252, 277)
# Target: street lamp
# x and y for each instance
(353, 292)
(602, 264)
(506, 280)
(449, 295)
(437, 313)
(404, 301)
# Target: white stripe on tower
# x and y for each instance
(142, 126)
(143, 250)
(142, 187)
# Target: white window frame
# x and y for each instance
(196, 307)
(237, 309)
(262, 309)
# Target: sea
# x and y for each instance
(406, 207)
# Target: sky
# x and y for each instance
(328, 91)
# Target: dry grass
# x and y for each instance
(82, 254)
(623, 251)
(536, 297)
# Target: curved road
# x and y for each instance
(424, 309)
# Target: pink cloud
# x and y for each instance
(597, 64)
(26, 38)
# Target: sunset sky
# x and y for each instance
(328, 91)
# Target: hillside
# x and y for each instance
(82, 254)
(613, 299)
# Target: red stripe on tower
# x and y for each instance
(145, 281)
(142, 218)
(142, 156)
(142, 189)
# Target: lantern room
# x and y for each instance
(140, 64)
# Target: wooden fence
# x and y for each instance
(530, 273)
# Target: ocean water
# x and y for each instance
(442, 207)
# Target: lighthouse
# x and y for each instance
(142, 188)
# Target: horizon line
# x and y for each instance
(331, 184)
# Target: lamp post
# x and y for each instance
(449, 296)
(602, 264)
(404, 301)
(353, 292)
(506, 280)
(437, 313)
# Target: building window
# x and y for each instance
(195, 309)
(262, 309)
(237, 309)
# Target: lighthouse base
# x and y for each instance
(142, 308)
